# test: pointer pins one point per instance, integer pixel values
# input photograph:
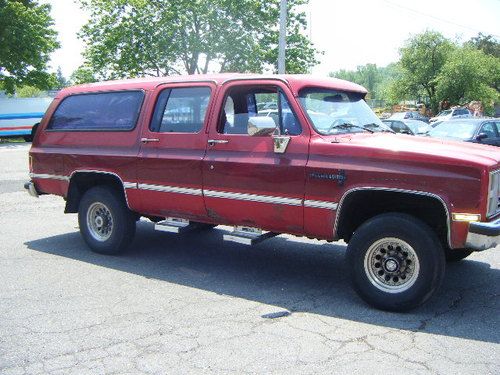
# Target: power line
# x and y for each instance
(437, 18)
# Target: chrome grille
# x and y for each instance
(494, 193)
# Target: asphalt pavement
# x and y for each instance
(191, 303)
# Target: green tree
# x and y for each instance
(83, 74)
(373, 78)
(486, 43)
(469, 74)
(422, 59)
(26, 40)
(29, 92)
(61, 81)
(128, 38)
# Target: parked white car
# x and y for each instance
(449, 114)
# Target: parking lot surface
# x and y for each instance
(192, 303)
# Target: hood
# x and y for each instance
(431, 149)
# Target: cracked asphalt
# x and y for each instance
(192, 303)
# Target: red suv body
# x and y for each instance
(284, 154)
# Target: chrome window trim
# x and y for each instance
(395, 190)
(170, 189)
(253, 197)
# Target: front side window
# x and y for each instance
(489, 129)
(334, 112)
(244, 103)
(181, 110)
(400, 127)
(109, 111)
(454, 129)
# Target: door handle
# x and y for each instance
(146, 140)
(212, 142)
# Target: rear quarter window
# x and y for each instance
(107, 111)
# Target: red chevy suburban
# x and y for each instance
(269, 155)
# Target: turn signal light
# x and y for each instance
(466, 217)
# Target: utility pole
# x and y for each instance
(282, 37)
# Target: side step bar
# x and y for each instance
(172, 225)
(240, 234)
(248, 235)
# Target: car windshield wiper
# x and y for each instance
(347, 125)
(375, 125)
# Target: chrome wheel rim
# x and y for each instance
(391, 265)
(99, 221)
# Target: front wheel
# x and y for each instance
(106, 223)
(396, 262)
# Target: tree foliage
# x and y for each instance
(61, 81)
(127, 38)
(376, 80)
(83, 74)
(26, 41)
(469, 74)
(438, 68)
(29, 92)
(422, 59)
(486, 43)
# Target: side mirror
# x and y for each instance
(481, 136)
(261, 126)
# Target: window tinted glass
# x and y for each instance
(115, 111)
(489, 129)
(181, 110)
(244, 103)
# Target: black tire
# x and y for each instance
(417, 263)
(107, 206)
(454, 255)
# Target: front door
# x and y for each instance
(245, 182)
(169, 172)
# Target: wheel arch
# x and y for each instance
(401, 200)
(82, 180)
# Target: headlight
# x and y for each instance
(494, 194)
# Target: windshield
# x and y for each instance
(418, 127)
(444, 113)
(398, 116)
(331, 110)
(454, 129)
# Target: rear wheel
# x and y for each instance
(106, 223)
(454, 255)
(396, 262)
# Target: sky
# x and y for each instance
(349, 32)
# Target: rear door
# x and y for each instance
(245, 181)
(174, 141)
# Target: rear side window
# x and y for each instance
(110, 111)
(181, 110)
